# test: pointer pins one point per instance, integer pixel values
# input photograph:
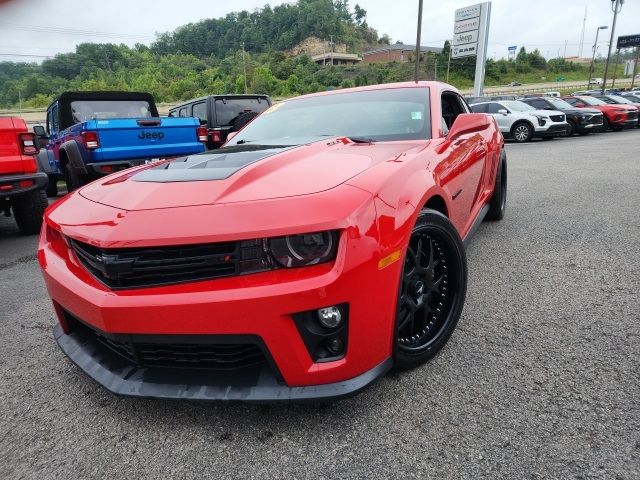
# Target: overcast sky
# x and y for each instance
(33, 29)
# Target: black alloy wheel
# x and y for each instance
(432, 290)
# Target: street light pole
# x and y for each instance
(616, 5)
(244, 68)
(595, 46)
(418, 38)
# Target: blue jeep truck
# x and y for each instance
(91, 134)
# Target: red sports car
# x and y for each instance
(322, 246)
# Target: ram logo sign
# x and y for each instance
(464, 50)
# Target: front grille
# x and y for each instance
(594, 119)
(145, 267)
(632, 115)
(557, 118)
(212, 352)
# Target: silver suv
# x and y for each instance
(522, 122)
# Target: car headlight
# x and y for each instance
(304, 249)
(542, 120)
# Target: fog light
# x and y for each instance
(335, 346)
(330, 317)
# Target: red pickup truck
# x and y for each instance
(22, 186)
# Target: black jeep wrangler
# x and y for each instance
(222, 114)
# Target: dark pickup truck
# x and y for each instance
(91, 134)
(222, 114)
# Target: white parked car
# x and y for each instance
(522, 122)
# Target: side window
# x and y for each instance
(479, 108)
(539, 104)
(173, 113)
(52, 120)
(572, 101)
(463, 104)
(494, 108)
(183, 112)
(200, 111)
(451, 108)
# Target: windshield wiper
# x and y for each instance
(240, 142)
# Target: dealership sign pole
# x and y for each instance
(630, 41)
(470, 37)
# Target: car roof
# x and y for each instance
(229, 95)
(104, 95)
(438, 86)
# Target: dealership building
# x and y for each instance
(398, 52)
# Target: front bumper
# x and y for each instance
(122, 378)
(554, 130)
(38, 180)
(265, 305)
(589, 127)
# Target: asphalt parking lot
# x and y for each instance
(540, 380)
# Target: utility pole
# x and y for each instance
(244, 68)
(595, 46)
(615, 69)
(564, 54)
(616, 6)
(19, 102)
(584, 24)
(331, 45)
(419, 34)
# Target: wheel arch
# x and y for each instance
(518, 122)
(72, 156)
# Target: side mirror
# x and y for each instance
(231, 135)
(39, 131)
(467, 123)
(503, 111)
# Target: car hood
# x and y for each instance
(545, 113)
(582, 111)
(241, 174)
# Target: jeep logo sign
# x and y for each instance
(150, 135)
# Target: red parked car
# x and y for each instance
(616, 117)
(22, 187)
(321, 246)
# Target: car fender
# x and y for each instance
(73, 155)
(46, 162)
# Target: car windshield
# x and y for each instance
(606, 100)
(592, 101)
(633, 98)
(620, 99)
(229, 109)
(558, 103)
(517, 106)
(83, 110)
(379, 115)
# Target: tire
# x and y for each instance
(522, 132)
(432, 289)
(572, 128)
(498, 203)
(241, 120)
(72, 178)
(52, 187)
(606, 124)
(28, 210)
